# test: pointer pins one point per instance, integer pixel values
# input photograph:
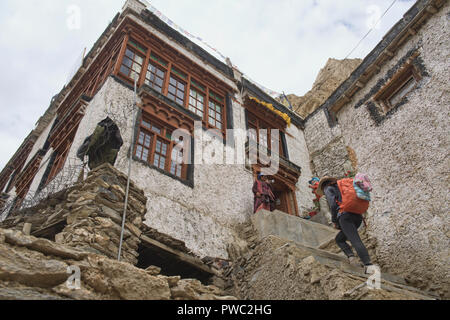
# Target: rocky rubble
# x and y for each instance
(36, 269)
(88, 215)
(277, 269)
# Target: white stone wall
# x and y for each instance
(299, 155)
(205, 216)
(407, 158)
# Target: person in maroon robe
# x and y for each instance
(264, 199)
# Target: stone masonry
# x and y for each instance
(90, 214)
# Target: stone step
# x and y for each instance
(388, 281)
(292, 228)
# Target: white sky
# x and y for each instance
(281, 44)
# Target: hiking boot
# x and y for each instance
(354, 261)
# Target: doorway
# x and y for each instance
(285, 197)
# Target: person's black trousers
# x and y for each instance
(349, 223)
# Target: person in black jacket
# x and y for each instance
(347, 222)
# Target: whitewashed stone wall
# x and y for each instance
(204, 216)
(407, 158)
(328, 151)
(299, 155)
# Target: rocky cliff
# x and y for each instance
(329, 79)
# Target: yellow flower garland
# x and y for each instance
(271, 107)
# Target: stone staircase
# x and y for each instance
(283, 261)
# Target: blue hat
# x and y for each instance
(314, 179)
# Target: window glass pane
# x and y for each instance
(124, 70)
(136, 68)
(134, 75)
(127, 62)
(139, 60)
(129, 53)
(160, 73)
(145, 155)
(148, 140)
(139, 152)
(156, 129)
(159, 82)
(146, 124)
(404, 90)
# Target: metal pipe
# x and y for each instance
(129, 172)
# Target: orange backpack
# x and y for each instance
(350, 202)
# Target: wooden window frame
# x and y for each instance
(163, 136)
(178, 80)
(260, 124)
(158, 67)
(199, 92)
(173, 67)
(397, 83)
(133, 62)
(216, 102)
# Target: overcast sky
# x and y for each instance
(281, 44)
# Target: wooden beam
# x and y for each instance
(195, 262)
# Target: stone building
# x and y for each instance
(389, 119)
(180, 86)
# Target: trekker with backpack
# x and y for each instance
(347, 211)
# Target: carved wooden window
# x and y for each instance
(143, 146)
(156, 73)
(160, 154)
(215, 113)
(263, 138)
(155, 146)
(177, 88)
(132, 63)
(395, 91)
(197, 98)
(160, 71)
